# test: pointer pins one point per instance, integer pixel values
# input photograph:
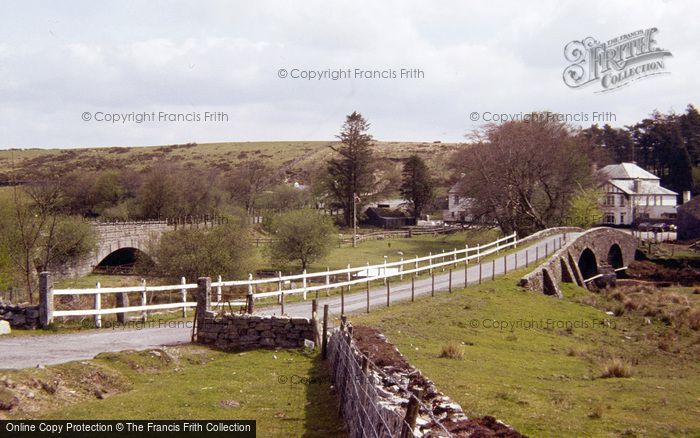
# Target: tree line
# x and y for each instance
(667, 145)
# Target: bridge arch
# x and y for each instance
(123, 260)
(615, 258)
(585, 254)
(587, 264)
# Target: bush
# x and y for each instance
(616, 368)
(452, 350)
(301, 235)
(224, 250)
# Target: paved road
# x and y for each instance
(30, 351)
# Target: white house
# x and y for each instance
(457, 206)
(633, 193)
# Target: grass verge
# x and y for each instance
(537, 362)
(287, 392)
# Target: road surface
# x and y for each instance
(33, 350)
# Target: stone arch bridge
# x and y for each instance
(117, 243)
(593, 257)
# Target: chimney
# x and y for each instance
(686, 196)
(637, 185)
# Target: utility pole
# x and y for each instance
(354, 220)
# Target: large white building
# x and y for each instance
(632, 193)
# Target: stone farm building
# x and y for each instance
(633, 195)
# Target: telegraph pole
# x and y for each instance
(354, 220)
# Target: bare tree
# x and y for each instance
(522, 175)
(247, 181)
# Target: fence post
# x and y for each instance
(203, 298)
(342, 300)
(279, 288)
(480, 270)
(515, 239)
(430, 262)
(466, 264)
(454, 258)
(411, 414)
(303, 279)
(144, 299)
(401, 269)
(324, 336)
(388, 294)
(478, 253)
(183, 296)
(449, 287)
(367, 272)
(527, 257)
(413, 287)
(384, 269)
(432, 289)
(505, 264)
(249, 302)
(443, 260)
(218, 290)
(537, 252)
(493, 269)
(328, 282)
(98, 306)
(45, 300)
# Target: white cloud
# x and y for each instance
(503, 56)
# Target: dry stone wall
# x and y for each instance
(20, 316)
(244, 331)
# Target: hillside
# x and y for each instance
(296, 158)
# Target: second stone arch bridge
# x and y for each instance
(586, 258)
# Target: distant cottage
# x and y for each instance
(632, 195)
(457, 206)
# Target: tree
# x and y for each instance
(247, 181)
(351, 174)
(224, 250)
(521, 175)
(416, 185)
(301, 235)
(36, 236)
(584, 209)
(159, 195)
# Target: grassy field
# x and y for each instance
(547, 380)
(373, 251)
(187, 382)
(293, 157)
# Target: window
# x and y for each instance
(622, 200)
(622, 218)
(610, 201)
(456, 199)
(609, 218)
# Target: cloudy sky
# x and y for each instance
(61, 62)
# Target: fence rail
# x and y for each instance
(310, 282)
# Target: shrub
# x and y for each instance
(303, 236)
(223, 250)
(616, 368)
(452, 350)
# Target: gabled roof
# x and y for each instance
(456, 188)
(645, 187)
(626, 171)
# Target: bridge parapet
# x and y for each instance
(582, 259)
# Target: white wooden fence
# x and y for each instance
(300, 284)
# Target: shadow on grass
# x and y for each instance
(321, 412)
